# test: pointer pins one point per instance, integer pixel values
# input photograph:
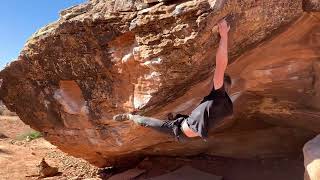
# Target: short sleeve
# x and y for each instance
(214, 93)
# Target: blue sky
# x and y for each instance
(19, 19)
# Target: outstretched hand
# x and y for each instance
(223, 28)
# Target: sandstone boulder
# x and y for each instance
(311, 152)
(311, 5)
(102, 58)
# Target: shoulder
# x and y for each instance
(220, 91)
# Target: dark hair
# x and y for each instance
(227, 79)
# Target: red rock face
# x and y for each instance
(108, 57)
(311, 5)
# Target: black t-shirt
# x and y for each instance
(212, 109)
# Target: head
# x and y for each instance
(227, 83)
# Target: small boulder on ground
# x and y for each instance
(45, 170)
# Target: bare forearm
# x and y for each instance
(221, 62)
(222, 52)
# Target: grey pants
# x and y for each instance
(172, 127)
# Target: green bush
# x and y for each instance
(29, 136)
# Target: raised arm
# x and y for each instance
(222, 55)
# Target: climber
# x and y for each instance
(213, 109)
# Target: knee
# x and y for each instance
(138, 119)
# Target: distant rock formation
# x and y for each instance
(103, 57)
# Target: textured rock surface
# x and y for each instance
(311, 152)
(108, 57)
(311, 5)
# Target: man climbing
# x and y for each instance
(213, 109)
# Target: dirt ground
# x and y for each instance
(19, 159)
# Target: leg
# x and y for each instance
(159, 125)
(141, 120)
(173, 128)
(147, 121)
(167, 127)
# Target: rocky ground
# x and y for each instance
(19, 159)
